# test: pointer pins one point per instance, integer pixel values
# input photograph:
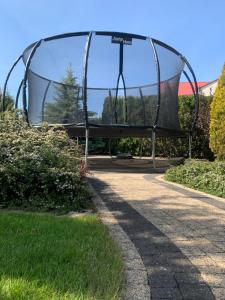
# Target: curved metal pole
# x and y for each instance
(18, 94)
(153, 148)
(125, 96)
(192, 87)
(111, 106)
(36, 45)
(6, 81)
(115, 104)
(85, 68)
(158, 101)
(190, 145)
(77, 103)
(196, 95)
(141, 149)
(189, 80)
(143, 103)
(158, 83)
(110, 152)
(191, 128)
(120, 74)
(44, 99)
(125, 99)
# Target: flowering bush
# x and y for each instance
(201, 175)
(40, 168)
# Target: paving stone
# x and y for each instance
(134, 264)
(219, 293)
(147, 251)
(137, 292)
(216, 238)
(166, 293)
(205, 261)
(192, 251)
(217, 257)
(196, 291)
(211, 249)
(212, 270)
(215, 280)
(130, 254)
(220, 245)
(165, 280)
(188, 278)
(169, 249)
(135, 277)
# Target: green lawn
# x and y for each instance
(48, 257)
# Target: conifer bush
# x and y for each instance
(217, 119)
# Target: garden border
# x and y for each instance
(179, 185)
(134, 266)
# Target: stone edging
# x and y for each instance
(161, 178)
(135, 286)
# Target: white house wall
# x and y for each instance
(209, 89)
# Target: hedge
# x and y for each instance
(201, 175)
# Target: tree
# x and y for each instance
(66, 106)
(217, 119)
(201, 147)
(186, 107)
(8, 103)
(137, 110)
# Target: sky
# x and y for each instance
(196, 28)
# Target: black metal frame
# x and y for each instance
(196, 94)
(143, 101)
(28, 62)
(18, 94)
(7, 79)
(158, 102)
(77, 99)
(84, 91)
(85, 68)
(120, 75)
(44, 98)
(111, 105)
(33, 47)
(158, 83)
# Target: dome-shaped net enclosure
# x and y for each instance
(105, 84)
(115, 84)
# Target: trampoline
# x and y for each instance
(105, 84)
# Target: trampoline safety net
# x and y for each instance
(102, 80)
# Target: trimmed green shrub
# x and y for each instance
(217, 123)
(40, 168)
(201, 175)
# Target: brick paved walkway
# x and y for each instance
(179, 234)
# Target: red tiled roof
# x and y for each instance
(185, 88)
